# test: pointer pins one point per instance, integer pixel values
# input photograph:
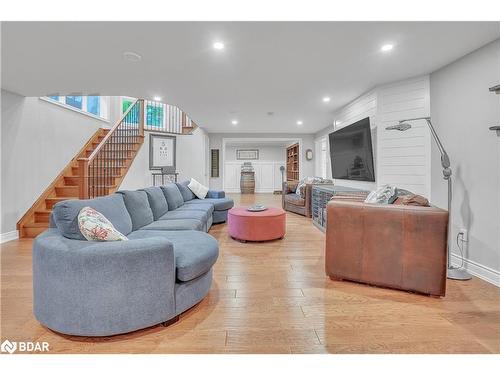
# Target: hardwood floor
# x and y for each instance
(274, 297)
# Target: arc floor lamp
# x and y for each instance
(456, 273)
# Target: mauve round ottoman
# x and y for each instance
(265, 225)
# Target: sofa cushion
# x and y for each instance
(195, 252)
(173, 196)
(95, 227)
(137, 204)
(295, 199)
(187, 194)
(175, 224)
(220, 204)
(157, 201)
(207, 207)
(185, 214)
(65, 214)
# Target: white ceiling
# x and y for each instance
(283, 67)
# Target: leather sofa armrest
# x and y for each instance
(403, 247)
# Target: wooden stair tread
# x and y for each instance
(36, 225)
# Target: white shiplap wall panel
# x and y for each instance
(401, 158)
(360, 108)
(404, 157)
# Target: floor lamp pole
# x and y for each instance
(456, 273)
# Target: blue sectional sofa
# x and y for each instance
(90, 288)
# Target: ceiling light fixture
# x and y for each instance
(299, 122)
(326, 99)
(131, 56)
(234, 122)
(387, 47)
(218, 45)
(157, 98)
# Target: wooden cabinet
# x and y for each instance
(292, 162)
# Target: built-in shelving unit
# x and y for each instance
(292, 162)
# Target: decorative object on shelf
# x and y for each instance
(455, 273)
(292, 162)
(309, 154)
(247, 154)
(257, 208)
(161, 151)
(247, 180)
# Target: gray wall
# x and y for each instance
(190, 161)
(462, 109)
(307, 167)
(38, 140)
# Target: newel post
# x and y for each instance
(83, 172)
(141, 116)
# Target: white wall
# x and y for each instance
(462, 110)
(38, 140)
(267, 153)
(306, 168)
(191, 158)
(400, 158)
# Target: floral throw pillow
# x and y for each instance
(95, 227)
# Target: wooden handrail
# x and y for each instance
(111, 131)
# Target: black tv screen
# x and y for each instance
(351, 152)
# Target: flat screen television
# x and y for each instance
(351, 152)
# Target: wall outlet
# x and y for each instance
(464, 234)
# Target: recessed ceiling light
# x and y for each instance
(299, 122)
(326, 99)
(234, 122)
(131, 56)
(387, 47)
(218, 45)
(157, 98)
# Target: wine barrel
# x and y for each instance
(247, 182)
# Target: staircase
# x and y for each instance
(100, 166)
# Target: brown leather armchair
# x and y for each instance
(401, 247)
(295, 203)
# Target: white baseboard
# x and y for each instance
(9, 236)
(487, 274)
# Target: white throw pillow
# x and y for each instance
(95, 227)
(198, 189)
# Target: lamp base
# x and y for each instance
(458, 274)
